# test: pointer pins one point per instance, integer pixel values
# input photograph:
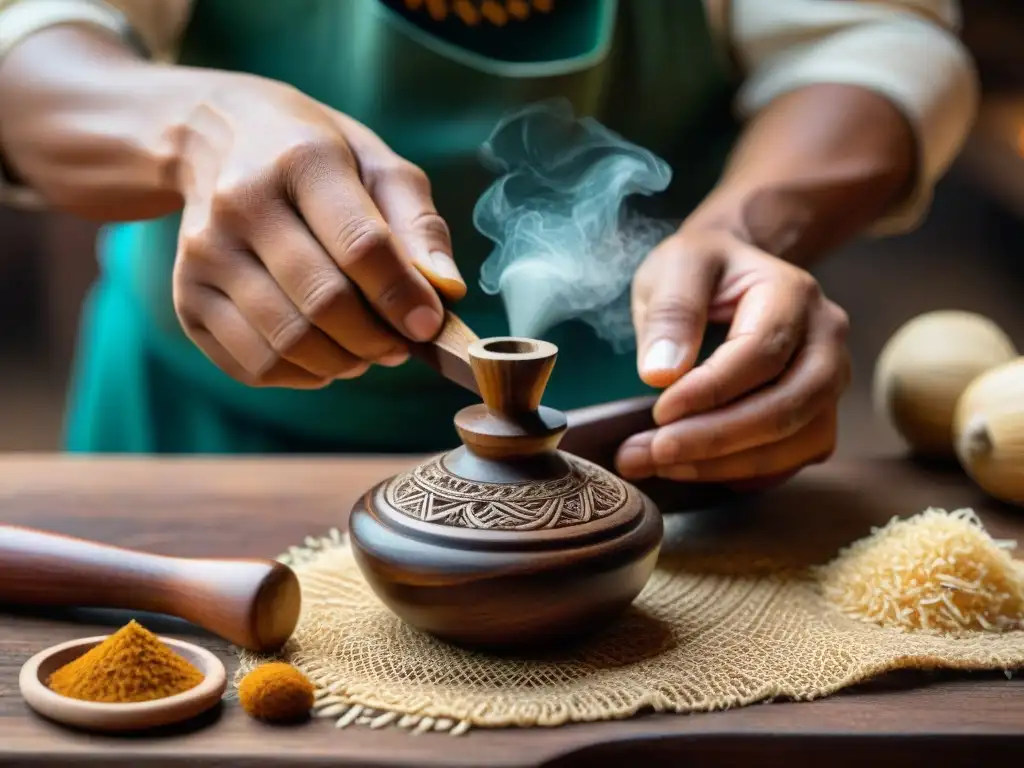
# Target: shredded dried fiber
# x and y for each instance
(938, 572)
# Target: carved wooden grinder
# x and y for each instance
(505, 541)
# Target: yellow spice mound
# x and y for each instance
(938, 572)
(132, 665)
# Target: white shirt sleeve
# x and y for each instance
(21, 18)
(905, 50)
(154, 27)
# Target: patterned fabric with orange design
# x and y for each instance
(474, 12)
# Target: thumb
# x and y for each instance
(670, 310)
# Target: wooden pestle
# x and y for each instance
(251, 603)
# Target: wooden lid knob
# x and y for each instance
(512, 372)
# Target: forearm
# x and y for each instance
(813, 169)
(90, 125)
(853, 111)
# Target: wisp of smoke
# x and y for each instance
(567, 244)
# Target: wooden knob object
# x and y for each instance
(593, 433)
(251, 603)
(507, 541)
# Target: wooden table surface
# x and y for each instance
(258, 507)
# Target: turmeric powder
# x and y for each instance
(276, 692)
(132, 665)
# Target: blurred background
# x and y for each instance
(969, 255)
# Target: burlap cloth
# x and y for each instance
(710, 631)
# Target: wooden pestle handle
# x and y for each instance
(251, 603)
(596, 432)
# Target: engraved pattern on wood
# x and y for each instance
(434, 495)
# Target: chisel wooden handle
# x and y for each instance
(251, 603)
(448, 353)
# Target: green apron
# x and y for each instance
(647, 70)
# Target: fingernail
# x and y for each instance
(634, 463)
(664, 355)
(422, 323)
(354, 372)
(443, 266)
(679, 472)
(665, 449)
(393, 359)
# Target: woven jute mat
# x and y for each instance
(711, 630)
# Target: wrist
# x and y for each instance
(811, 171)
(170, 134)
(778, 220)
(164, 95)
(201, 120)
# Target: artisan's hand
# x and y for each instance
(308, 249)
(764, 403)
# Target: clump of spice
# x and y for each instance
(130, 666)
(276, 692)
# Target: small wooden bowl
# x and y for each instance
(119, 717)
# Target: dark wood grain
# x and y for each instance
(253, 603)
(505, 542)
(257, 508)
(507, 589)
